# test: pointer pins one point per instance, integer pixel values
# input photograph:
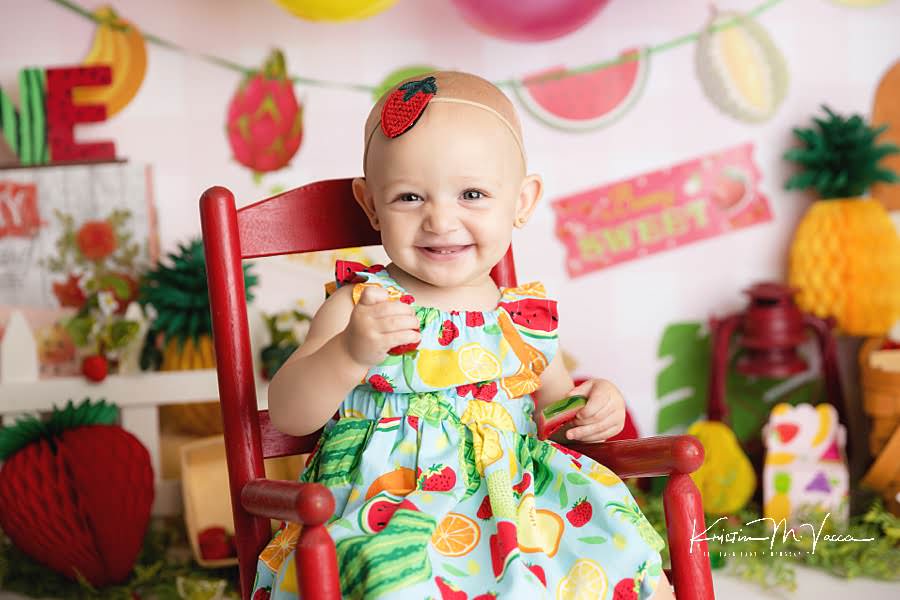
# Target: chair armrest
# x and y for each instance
(306, 503)
(647, 457)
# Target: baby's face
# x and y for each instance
(446, 194)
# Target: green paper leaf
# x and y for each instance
(79, 328)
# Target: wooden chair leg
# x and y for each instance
(316, 561)
(683, 506)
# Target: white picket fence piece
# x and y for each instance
(137, 395)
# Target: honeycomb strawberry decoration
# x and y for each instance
(76, 492)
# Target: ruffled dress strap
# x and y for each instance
(348, 272)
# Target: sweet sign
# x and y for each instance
(651, 213)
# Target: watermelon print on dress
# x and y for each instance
(442, 488)
(405, 105)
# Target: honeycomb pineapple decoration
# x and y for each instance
(845, 255)
(183, 329)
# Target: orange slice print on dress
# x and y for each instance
(534, 289)
(281, 546)
(398, 482)
(456, 535)
(393, 293)
(523, 382)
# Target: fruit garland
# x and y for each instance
(721, 25)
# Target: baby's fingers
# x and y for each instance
(593, 432)
(400, 338)
(398, 323)
(372, 295)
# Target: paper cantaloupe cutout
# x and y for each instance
(740, 69)
(886, 111)
(726, 479)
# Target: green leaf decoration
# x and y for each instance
(682, 386)
(119, 286)
(28, 429)
(563, 495)
(492, 329)
(179, 293)
(594, 539)
(79, 328)
(119, 334)
(839, 157)
(343, 523)
(392, 359)
(577, 479)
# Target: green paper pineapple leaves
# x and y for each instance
(839, 157)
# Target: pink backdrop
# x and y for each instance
(611, 319)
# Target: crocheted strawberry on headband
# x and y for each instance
(405, 105)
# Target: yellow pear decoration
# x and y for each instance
(726, 479)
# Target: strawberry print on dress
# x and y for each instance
(442, 489)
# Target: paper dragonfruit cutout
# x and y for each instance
(805, 466)
(265, 121)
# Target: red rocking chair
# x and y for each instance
(325, 216)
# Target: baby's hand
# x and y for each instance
(377, 325)
(604, 414)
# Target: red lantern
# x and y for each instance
(771, 329)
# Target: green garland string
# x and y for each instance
(509, 83)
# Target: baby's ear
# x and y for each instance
(366, 200)
(529, 195)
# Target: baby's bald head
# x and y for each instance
(453, 87)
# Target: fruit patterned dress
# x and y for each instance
(442, 489)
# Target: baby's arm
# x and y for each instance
(601, 418)
(343, 342)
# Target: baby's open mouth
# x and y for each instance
(445, 250)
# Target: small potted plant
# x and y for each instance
(287, 330)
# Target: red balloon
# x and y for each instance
(529, 20)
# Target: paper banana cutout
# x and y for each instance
(122, 49)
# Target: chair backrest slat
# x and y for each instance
(319, 216)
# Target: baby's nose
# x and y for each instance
(441, 220)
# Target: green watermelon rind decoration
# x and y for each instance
(606, 119)
(555, 415)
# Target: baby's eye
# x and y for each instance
(473, 194)
(409, 198)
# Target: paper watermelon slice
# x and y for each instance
(555, 415)
(586, 101)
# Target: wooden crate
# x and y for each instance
(205, 490)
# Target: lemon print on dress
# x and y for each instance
(446, 368)
(602, 474)
(586, 581)
(484, 419)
